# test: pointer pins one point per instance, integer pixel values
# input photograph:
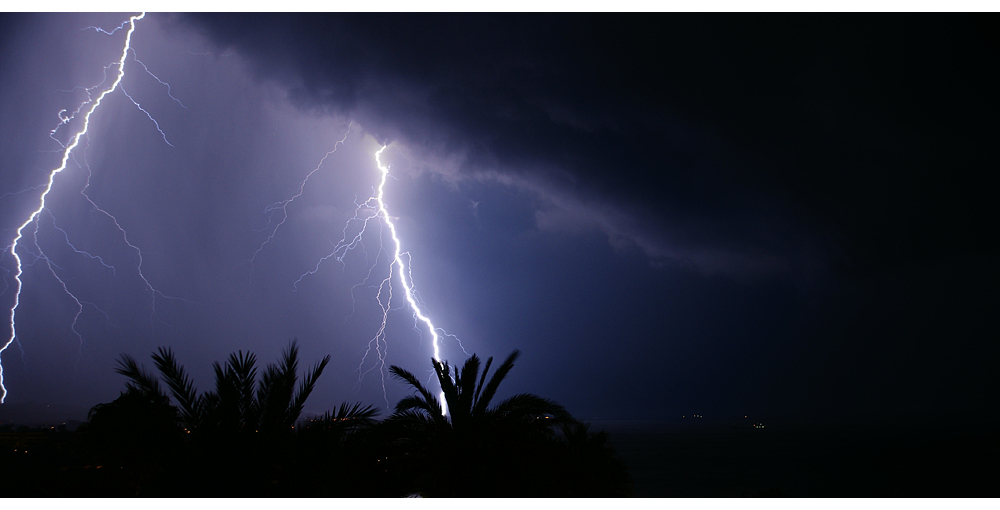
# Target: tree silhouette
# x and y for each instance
(134, 439)
(469, 403)
(338, 455)
(245, 439)
(239, 403)
(476, 449)
(241, 436)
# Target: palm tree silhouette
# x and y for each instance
(242, 438)
(240, 403)
(476, 449)
(469, 402)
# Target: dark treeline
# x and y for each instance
(246, 438)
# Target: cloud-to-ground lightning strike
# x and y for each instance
(374, 208)
(67, 152)
(75, 140)
(371, 209)
(398, 262)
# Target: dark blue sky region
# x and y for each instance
(772, 215)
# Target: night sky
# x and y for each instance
(779, 216)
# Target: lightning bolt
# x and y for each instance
(371, 209)
(52, 269)
(81, 252)
(86, 108)
(403, 271)
(282, 205)
(374, 209)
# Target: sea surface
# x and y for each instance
(668, 460)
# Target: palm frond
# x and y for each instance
(231, 412)
(411, 415)
(347, 419)
(482, 379)
(448, 387)
(491, 388)
(413, 403)
(270, 404)
(431, 403)
(305, 388)
(181, 386)
(466, 383)
(210, 401)
(245, 373)
(409, 424)
(347, 412)
(274, 391)
(139, 379)
(224, 413)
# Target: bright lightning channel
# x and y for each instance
(398, 260)
(397, 256)
(374, 209)
(66, 154)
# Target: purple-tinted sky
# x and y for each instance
(775, 215)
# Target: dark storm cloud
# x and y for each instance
(810, 147)
(578, 108)
(747, 144)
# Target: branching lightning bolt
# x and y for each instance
(403, 272)
(119, 27)
(374, 208)
(74, 248)
(143, 110)
(52, 269)
(282, 205)
(153, 291)
(371, 209)
(67, 152)
(157, 78)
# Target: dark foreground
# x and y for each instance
(248, 439)
(664, 462)
(321, 459)
(881, 461)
